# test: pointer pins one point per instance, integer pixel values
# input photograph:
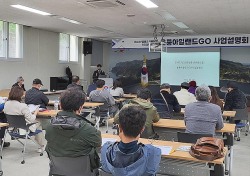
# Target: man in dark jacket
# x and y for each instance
(70, 135)
(235, 99)
(35, 96)
(170, 99)
(98, 72)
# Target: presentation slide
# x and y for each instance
(202, 67)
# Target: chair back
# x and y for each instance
(69, 166)
(103, 173)
(103, 109)
(190, 137)
(17, 121)
(241, 114)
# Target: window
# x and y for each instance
(14, 42)
(64, 47)
(68, 48)
(2, 40)
(11, 38)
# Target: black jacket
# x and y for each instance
(172, 101)
(36, 97)
(235, 99)
(16, 84)
(97, 73)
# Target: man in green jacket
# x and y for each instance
(143, 100)
(69, 134)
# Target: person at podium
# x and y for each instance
(98, 72)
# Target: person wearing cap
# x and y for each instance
(235, 98)
(20, 83)
(172, 102)
(203, 117)
(35, 96)
(98, 72)
(183, 96)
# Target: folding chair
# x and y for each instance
(103, 113)
(69, 166)
(242, 115)
(18, 122)
(190, 137)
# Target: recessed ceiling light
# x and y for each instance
(147, 3)
(30, 9)
(180, 25)
(69, 20)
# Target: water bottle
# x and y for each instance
(56, 104)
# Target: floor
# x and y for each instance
(36, 165)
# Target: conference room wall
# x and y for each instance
(40, 60)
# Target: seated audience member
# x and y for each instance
(128, 157)
(98, 72)
(143, 100)
(35, 96)
(202, 117)
(102, 95)
(215, 97)
(192, 87)
(235, 99)
(14, 107)
(92, 86)
(116, 90)
(20, 83)
(183, 96)
(2, 120)
(172, 102)
(69, 135)
(75, 83)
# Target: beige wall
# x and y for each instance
(40, 60)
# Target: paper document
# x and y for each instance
(33, 107)
(184, 148)
(165, 150)
(104, 140)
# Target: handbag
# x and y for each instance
(207, 148)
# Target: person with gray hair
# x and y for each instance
(20, 83)
(203, 117)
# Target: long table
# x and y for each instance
(168, 128)
(93, 107)
(181, 162)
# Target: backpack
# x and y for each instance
(207, 148)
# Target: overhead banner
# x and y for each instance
(186, 41)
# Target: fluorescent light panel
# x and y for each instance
(147, 3)
(69, 20)
(30, 9)
(180, 25)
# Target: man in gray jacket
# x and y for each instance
(103, 95)
(202, 117)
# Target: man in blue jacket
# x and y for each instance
(129, 157)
